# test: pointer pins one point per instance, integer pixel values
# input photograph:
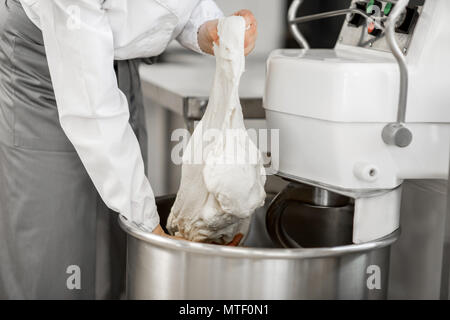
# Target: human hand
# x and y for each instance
(207, 33)
(235, 242)
(207, 36)
(160, 232)
(251, 30)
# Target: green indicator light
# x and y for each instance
(388, 8)
(369, 6)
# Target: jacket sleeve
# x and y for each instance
(204, 11)
(93, 111)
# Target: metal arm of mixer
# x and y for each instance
(396, 133)
(294, 28)
(293, 21)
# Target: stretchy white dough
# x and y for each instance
(223, 177)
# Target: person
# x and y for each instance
(70, 107)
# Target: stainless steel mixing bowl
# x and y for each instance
(162, 268)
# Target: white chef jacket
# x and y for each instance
(82, 38)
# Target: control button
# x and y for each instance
(374, 7)
(372, 30)
(388, 8)
(356, 20)
(407, 21)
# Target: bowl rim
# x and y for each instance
(254, 253)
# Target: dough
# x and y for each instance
(223, 177)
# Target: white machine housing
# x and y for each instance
(332, 105)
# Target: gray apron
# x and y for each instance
(58, 240)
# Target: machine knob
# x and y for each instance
(396, 134)
(388, 8)
(374, 7)
(372, 30)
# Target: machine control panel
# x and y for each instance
(358, 31)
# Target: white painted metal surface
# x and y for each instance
(331, 107)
